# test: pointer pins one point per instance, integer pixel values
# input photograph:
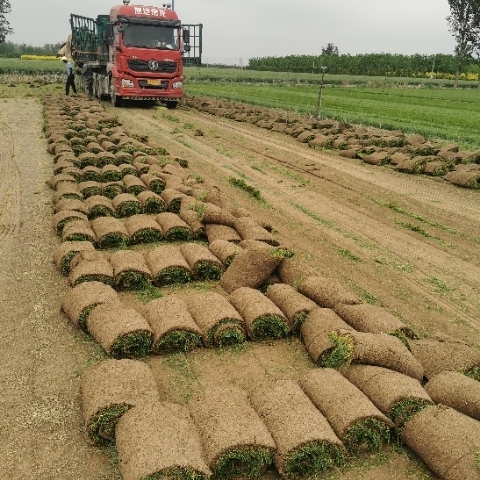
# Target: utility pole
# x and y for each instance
(319, 99)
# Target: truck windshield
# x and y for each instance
(148, 36)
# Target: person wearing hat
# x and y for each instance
(70, 76)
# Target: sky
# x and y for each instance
(236, 30)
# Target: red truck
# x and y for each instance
(136, 52)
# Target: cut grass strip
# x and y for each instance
(132, 345)
(269, 326)
(172, 275)
(340, 355)
(243, 462)
(368, 434)
(177, 341)
(405, 409)
(252, 191)
(132, 280)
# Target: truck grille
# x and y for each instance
(145, 66)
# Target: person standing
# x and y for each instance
(70, 76)
(87, 74)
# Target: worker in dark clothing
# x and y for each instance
(87, 74)
(70, 76)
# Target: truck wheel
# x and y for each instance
(116, 99)
(95, 88)
(171, 105)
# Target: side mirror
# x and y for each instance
(186, 48)
(186, 36)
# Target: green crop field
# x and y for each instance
(29, 67)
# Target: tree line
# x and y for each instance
(16, 50)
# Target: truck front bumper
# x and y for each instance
(131, 88)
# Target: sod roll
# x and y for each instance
(249, 229)
(466, 178)
(262, 317)
(457, 391)
(236, 441)
(110, 232)
(294, 270)
(210, 213)
(316, 332)
(173, 199)
(219, 321)
(126, 204)
(396, 395)
(90, 266)
(154, 183)
(112, 189)
(151, 202)
(67, 190)
(174, 228)
(160, 440)
(143, 228)
(174, 329)
(133, 184)
(224, 251)
(89, 188)
(71, 204)
(99, 206)
(441, 356)
(250, 268)
(121, 332)
(306, 443)
(168, 266)
(66, 251)
(293, 304)
(353, 417)
(203, 263)
(327, 293)
(130, 270)
(109, 390)
(63, 217)
(446, 440)
(79, 301)
(191, 219)
(221, 232)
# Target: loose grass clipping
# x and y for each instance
(160, 440)
(174, 329)
(66, 251)
(121, 332)
(143, 229)
(306, 444)
(457, 391)
(204, 264)
(293, 304)
(168, 266)
(236, 442)
(354, 418)
(110, 232)
(398, 396)
(151, 202)
(262, 317)
(174, 228)
(90, 266)
(130, 270)
(446, 440)
(219, 321)
(110, 389)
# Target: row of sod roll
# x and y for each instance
(129, 217)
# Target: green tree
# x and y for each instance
(331, 50)
(5, 28)
(463, 23)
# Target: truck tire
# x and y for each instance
(116, 99)
(171, 104)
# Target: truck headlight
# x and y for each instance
(177, 85)
(127, 83)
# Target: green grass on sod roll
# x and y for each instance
(113, 240)
(99, 211)
(312, 458)
(132, 345)
(112, 176)
(157, 186)
(369, 434)
(101, 427)
(172, 275)
(132, 281)
(72, 196)
(177, 473)
(147, 235)
(153, 205)
(95, 278)
(401, 336)
(82, 318)
(340, 355)
(245, 462)
(230, 336)
(65, 263)
(79, 237)
(175, 205)
(127, 209)
(269, 326)
(91, 191)
(473, 373)
(207, 271)
(405, 409)
(177, 341)
(92, 176)
(179, 234)
(135, 189)
(111, 191)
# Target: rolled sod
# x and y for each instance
(316, 332)
(373, 319)
(123, 157)
(442, 356)
(59, 178)
(221, 324)
(293, 271)
(168, 266)
(82, 299)
(130, 270)
(112, 189)
(105, 158)
(191, 219)
(222, 232)
(94, 147)
(143, 229)
(306, 443)
(91, 267)
(121, 332)
(63, 217)
(209, 213)
(249, 229)
(109, 146)
(250, 268)
(327, 293)
(446, 440)
(141, 168)
(127, 169)
(262, 317)
(174, 329)
(78, 230)
(90, 188)
(91, 173)
(110, 389)
(133, 184)
(73, 171)
(174, 228)
(151, 202)
(126, 205)
(99, 206)
(87, 159)
(457, 391)
(67, 190)
(160, 440)
(203, 263)
(396, 395)
(464, 178)
(293, 304)
(66, 251)
(224, 251)
(173, 199)
(71, 204)
(354, 418)
(153, 183)
(111, 173)
(236, 442)
(110, 232)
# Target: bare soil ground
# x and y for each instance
(408, 243)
